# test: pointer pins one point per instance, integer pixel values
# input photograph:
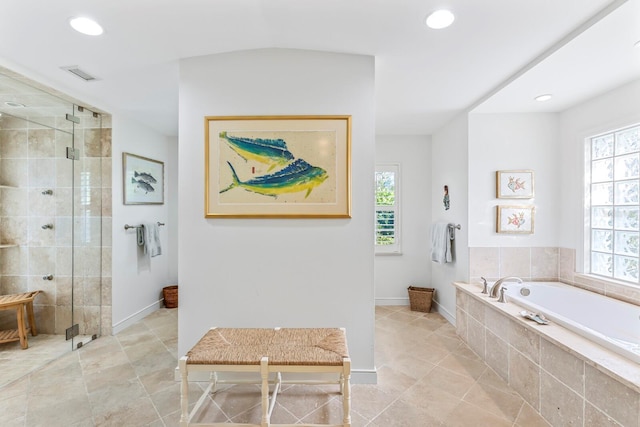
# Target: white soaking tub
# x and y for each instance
(609, 322)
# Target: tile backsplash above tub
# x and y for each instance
(543, 264)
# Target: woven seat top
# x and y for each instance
(12, 299)
(285, 346)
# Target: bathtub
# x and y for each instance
(611, 323)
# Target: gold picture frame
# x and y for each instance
(277, 166)
(515, 219)
(514, 184)
(142, 180)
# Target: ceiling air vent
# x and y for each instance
(76, 71)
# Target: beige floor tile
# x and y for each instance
(167, 401)
(466, 414)
(392, 381)
(449, 381)
(115, 397)
(158, 380)
(528, 417)
(412, 366)
(103, 378)
(426, 377)
(301, 400)
(368, 400)
(210, 412)
(402, 414)
(463, 365)
(11, 408)
(57, 411)
(504, 404)
(329, 413)
(138, 412)
(433, 400)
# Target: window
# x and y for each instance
(387, 230)
(615, 204)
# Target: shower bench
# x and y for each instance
(19, 302)
(269, 352)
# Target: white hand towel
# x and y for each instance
(440, 243)
(152, 245)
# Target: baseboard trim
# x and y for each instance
(358, 376)
(445, 313)
(135, 317)
(393, 301)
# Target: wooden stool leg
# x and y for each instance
(22, 331)
(346, 392)
(184, 392)
(32, 319)
(264, 373)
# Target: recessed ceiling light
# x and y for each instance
(86, 26)
(14, 104)
(542, 98)
(440, 19)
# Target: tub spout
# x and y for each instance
(495, 289)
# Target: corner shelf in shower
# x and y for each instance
(8, 246)
(8, 186)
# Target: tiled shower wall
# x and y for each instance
(33, 159)
(542, 264)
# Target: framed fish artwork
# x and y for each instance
(143, 180)
(277, 167)
(515, 219)
(514, 184)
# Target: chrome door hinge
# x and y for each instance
(73, 153)
(72, 331)
(73, 118)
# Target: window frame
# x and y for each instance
(589, 228)
(396, 247)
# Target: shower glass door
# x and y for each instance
(86, 158)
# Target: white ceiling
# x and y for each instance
(424, 77)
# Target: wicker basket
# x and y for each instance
(420, 298)
(170, 295)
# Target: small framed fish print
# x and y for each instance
(277, 167)
(514, 184)
(143, 180)
(515, 219)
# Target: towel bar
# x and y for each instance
(127, 226)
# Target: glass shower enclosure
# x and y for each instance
(51, 205)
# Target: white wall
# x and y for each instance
(450, 163)
(138, 280)
(277, 272)
(508, 142)
(615, 109)
(394, 273)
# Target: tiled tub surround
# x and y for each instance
(568, 379)
(543, 264)
(606, 321)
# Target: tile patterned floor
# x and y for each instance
(426, 377)
(15, 362)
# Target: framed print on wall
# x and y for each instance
(277, 167)
(514, 184)
(142, 179)
(515, 219)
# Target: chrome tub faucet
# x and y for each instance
(495, 289)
